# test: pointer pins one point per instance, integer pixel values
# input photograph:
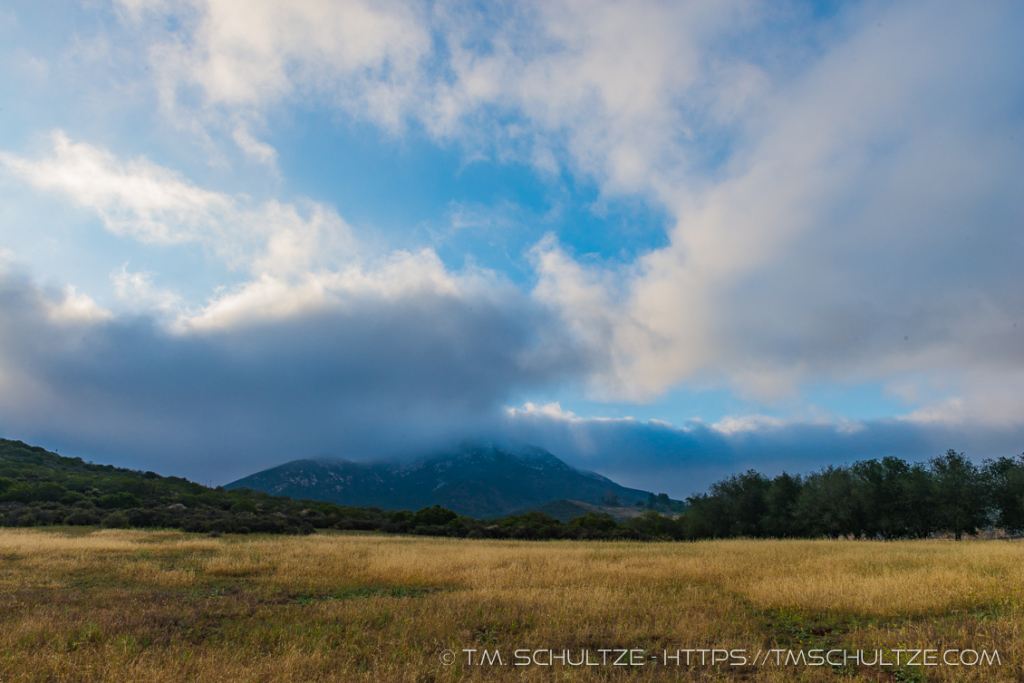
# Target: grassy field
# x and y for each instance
(87, 605)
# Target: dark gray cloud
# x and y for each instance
(685, 460)
(371, 378)
(375, 378)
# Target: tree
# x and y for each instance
(918, 490)
(780, 519)
(893, 498)
(827, 505)
(742, 498)
(960, 501)
(1005, 478)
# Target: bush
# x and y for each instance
(433, 516)
(72, 497)
(399, 516)
(22, 517)
(244, 506)
(115, 520)
(118, 501)
(20, 493)
(194, 524)
(655, 525)
(594, 522)
(82, 518)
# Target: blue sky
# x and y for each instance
(665, 240)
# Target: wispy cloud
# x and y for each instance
(144, 201)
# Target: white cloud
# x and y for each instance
(732, 424)
(300, 258)
(253, 53)
(255, 149)
(400, 276)
(138, 291)
(986, 396)
(32, 69)
(134, 198)
(867, 232)
(604, 80)
(552, 410)
(74, 308)
(154, 205)
(619, 87)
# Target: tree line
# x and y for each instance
(888, 498)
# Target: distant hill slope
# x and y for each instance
(567, 510)
(40, 488)
(476, 480)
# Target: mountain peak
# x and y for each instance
(475, 478)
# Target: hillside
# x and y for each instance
(38, 487)
(567, 510)
(477, 480)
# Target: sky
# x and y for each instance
(667, 241)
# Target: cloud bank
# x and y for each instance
(359, 375)
(685, 459)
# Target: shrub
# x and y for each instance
(244, 506)
(433, 516)
(72, 497)
(21, 493)
(118, 501)
(115, 520)
(22, 517)
(594, 522)
(81, 517)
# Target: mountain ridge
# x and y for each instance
(474, 479)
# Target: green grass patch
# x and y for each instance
(365, 592)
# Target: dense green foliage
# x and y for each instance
(42, 488)
(886, 498)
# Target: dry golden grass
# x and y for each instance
(167, 606)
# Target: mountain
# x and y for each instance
(478, 480)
